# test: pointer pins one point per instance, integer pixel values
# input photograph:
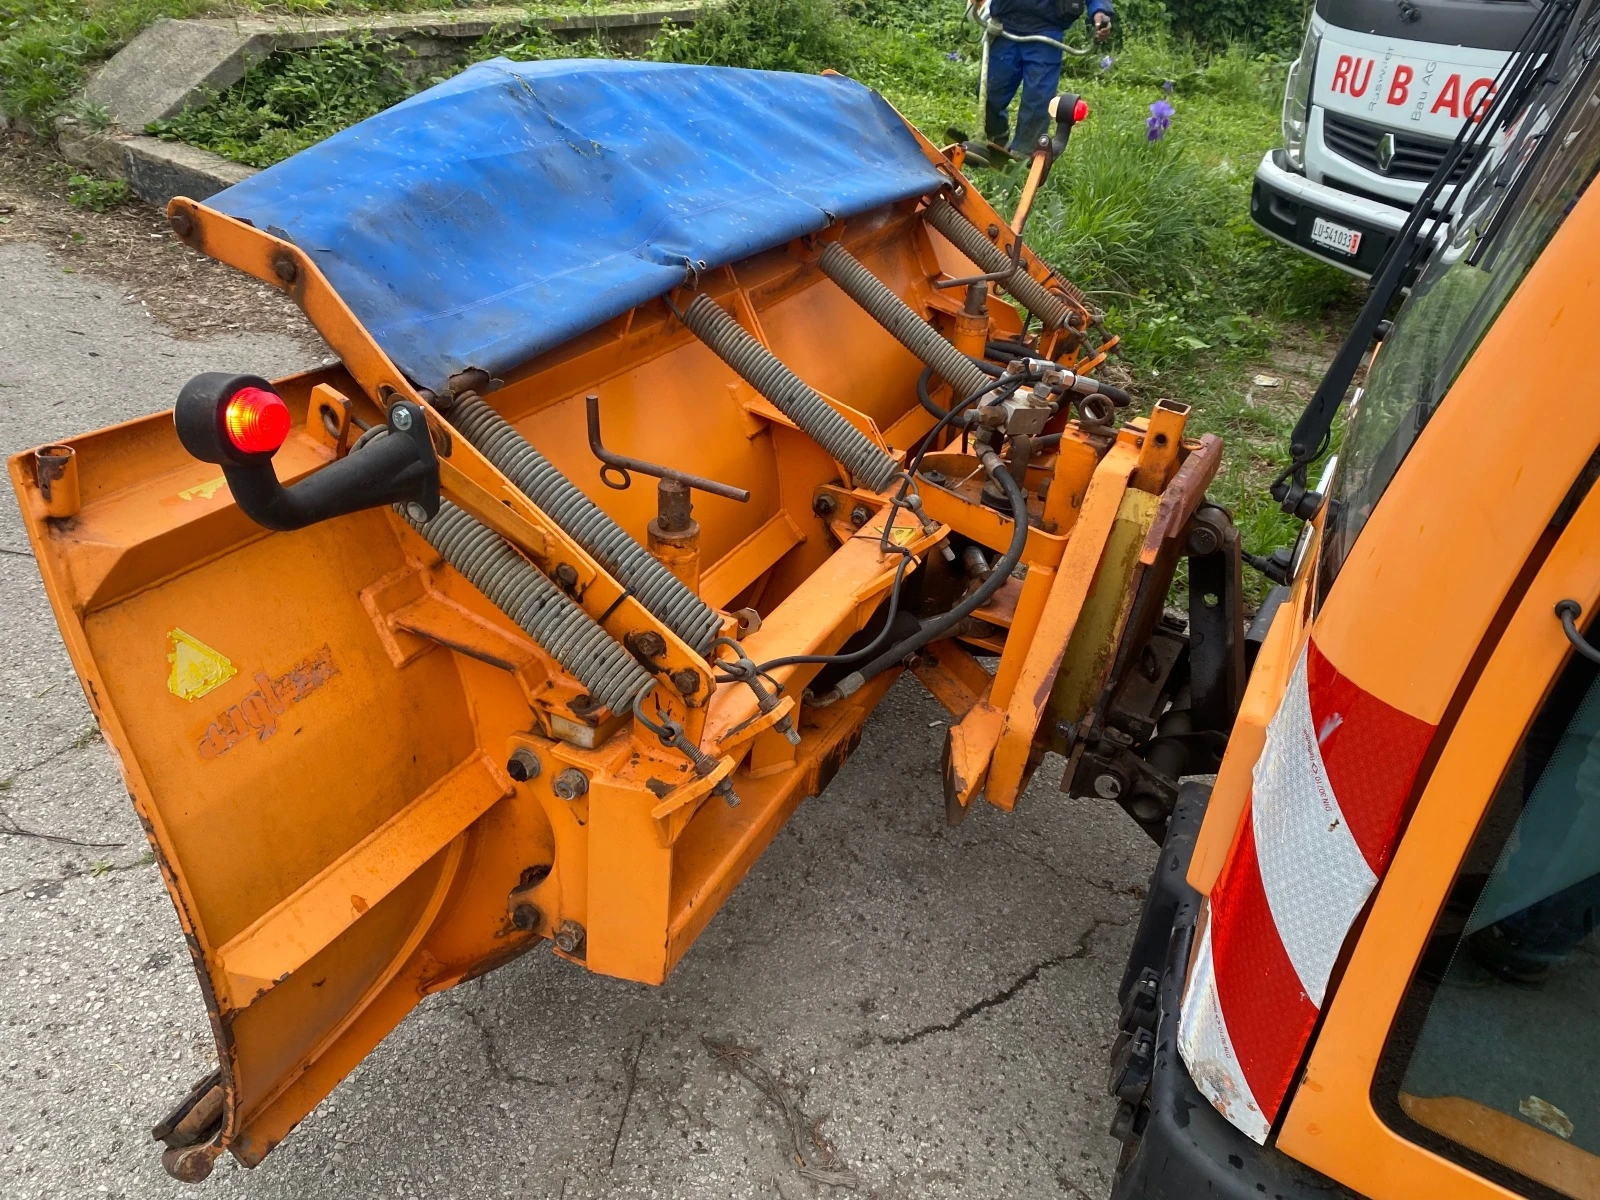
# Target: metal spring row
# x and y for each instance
(868, 465)
(658, 589)
(971, 241)
(910, 330)
(525, 594)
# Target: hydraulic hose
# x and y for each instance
(971, 241)
(525, 594)
(658, 589)
(763, 370)
(925, 395)
(932, 629)
(896, 316)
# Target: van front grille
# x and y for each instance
(1415, 158)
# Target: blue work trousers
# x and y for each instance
(1036, 68)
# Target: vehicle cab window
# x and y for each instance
(1492, 1060)
(1543, 165)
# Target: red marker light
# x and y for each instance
(256, 420)
(1080, 110)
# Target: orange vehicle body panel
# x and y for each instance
(1418, 610)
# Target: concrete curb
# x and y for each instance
(171, 63)
(154, 170)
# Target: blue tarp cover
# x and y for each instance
(502, 212)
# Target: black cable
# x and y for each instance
(854, 655)
(1012, 381)
(924, 397)
(1008, 349)
(933, 628)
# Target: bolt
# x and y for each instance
(939, 478)
(567, 576)
(1203, 540)
(285, 268)
(860, 515)
(1108, 786)
(525, 917)
(182, 223)
(570, 937)
(523, 765)
(824, 505)
(188, 1164)
(649, 644)
(687, 681)
(416, 512)
(571, 784)
(400, 418)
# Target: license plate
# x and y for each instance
(1335, 237)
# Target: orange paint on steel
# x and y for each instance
(1047, 642)
(330, 794)
(1407, 615)
(1331, 1123)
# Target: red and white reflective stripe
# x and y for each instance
(1327, 797)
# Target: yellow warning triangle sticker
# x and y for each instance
(196, 667)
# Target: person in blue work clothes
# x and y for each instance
(1034, 66)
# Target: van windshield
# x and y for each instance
(1542, 166)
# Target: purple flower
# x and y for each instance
(953, 56)
(1155, 127)
(1105, 63)
(1166, 86)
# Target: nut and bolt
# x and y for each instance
(571, 784)
(285, 268)
(182, 223)
(860, 515)
(570, 937)
(400, 418)
(526, 917)
(567, 576)
(523, 765)
(824, 505)
(649, 644)
(687, 681)
(1203, 540)
(416, 512)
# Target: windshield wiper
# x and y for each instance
(1531, 65)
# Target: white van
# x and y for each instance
(1377, 95)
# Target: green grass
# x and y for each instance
(290, 101)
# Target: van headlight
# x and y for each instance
(1297, 99)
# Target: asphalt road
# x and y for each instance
(941, 1001)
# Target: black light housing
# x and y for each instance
(240, 422)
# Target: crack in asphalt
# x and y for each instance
(1007, 993)
(11, 827)
(1132, 891)
(93, 869)
(491, 1050)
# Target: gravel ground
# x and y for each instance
(937, 1004)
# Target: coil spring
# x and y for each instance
(795, 398)
(1034, 296)
(910, 330)
(525, 594)
(658, 589)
